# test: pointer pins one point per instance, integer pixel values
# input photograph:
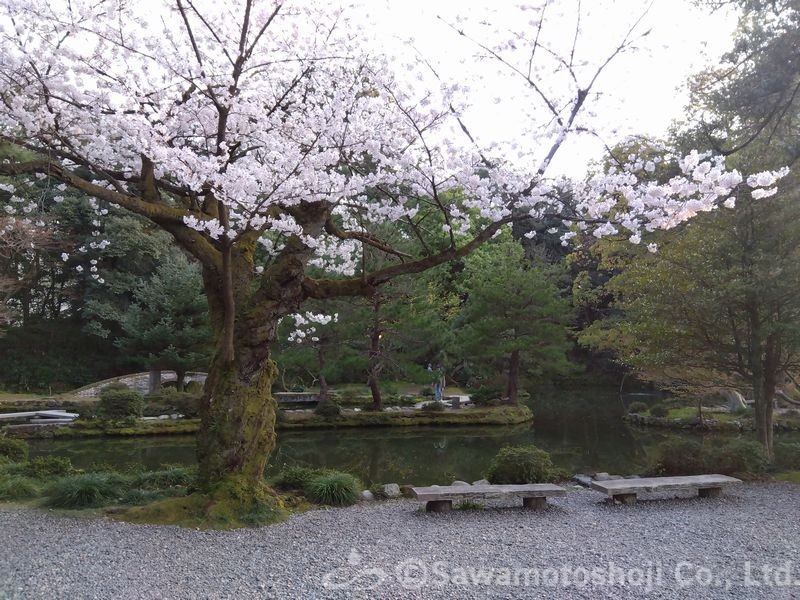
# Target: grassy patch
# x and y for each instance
(100, 428)
(790, 476)
(690, 412)
(502, 415)
(231, 505)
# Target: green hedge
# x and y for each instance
(521, 464)
(116, 403)
(13, 449)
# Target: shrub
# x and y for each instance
(164, 478)
(334, 489)
(88, 411)
(687, 457)
(637, 407)
(18, 488)
(295, 478)
(186, 403)
(13, 449)
(328, 410)
(193, 387)
(736, 456)
(119, 404)
(659, 410)
(433, 407)
(87, 490)
(787, 455)
(43, 467)
(486, 394)
(678, 456)
(521, 464)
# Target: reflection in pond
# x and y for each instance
(582, 434)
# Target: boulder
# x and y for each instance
(367, 496)
(602, 476)
(583, 480)
(481, 482)
(458, 482)
(391, 490)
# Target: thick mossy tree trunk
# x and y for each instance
(237, 431)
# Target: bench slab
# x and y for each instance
(622, 487)
(457, 492)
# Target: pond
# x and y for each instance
(582, 434)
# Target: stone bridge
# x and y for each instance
(144, 383)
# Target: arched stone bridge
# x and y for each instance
(141, 382)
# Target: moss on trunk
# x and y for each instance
(237, 432)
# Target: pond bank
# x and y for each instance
(710, 423)
(391, 550)
(292, 420)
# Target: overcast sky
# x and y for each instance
(643, 91)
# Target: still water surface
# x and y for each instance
(582, 433)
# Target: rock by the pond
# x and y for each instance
(366, 495)
(583, 480)
(615, 477)
(458, 482)
(602, 476)
(391, 490)
(481, 482)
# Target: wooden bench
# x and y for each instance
(625, 490)
(440, 498)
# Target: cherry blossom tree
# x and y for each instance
(268, 136)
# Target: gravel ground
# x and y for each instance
(580, 547)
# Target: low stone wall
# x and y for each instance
(136, 381)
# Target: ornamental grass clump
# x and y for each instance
(295, 477)
(17, 487)
(333, 489)
(87, 490)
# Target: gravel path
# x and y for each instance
(691, 548)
